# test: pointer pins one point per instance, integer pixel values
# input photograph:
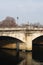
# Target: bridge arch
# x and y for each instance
(37, 34)
(5, 40)
(18, 35)
(31, 37)
(38, 41)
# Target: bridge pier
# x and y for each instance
(17, 49)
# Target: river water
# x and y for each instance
(9, 57)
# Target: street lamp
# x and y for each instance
(17, 19)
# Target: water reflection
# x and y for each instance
(6, 58)
(9, 57)
(31, 61)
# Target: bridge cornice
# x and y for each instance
(23, 29)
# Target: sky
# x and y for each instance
(27, 10)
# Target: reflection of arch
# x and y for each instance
(37, 48)
(7, 40)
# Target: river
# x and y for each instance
(8, 57)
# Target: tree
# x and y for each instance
(8, 22)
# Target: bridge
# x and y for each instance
(25, 35)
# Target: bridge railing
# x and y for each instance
(22, 28)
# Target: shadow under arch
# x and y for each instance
(37, 48)
(7, 40)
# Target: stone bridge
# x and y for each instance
(25, 34)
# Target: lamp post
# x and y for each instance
(17, 19)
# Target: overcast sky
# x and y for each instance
(26, 10)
